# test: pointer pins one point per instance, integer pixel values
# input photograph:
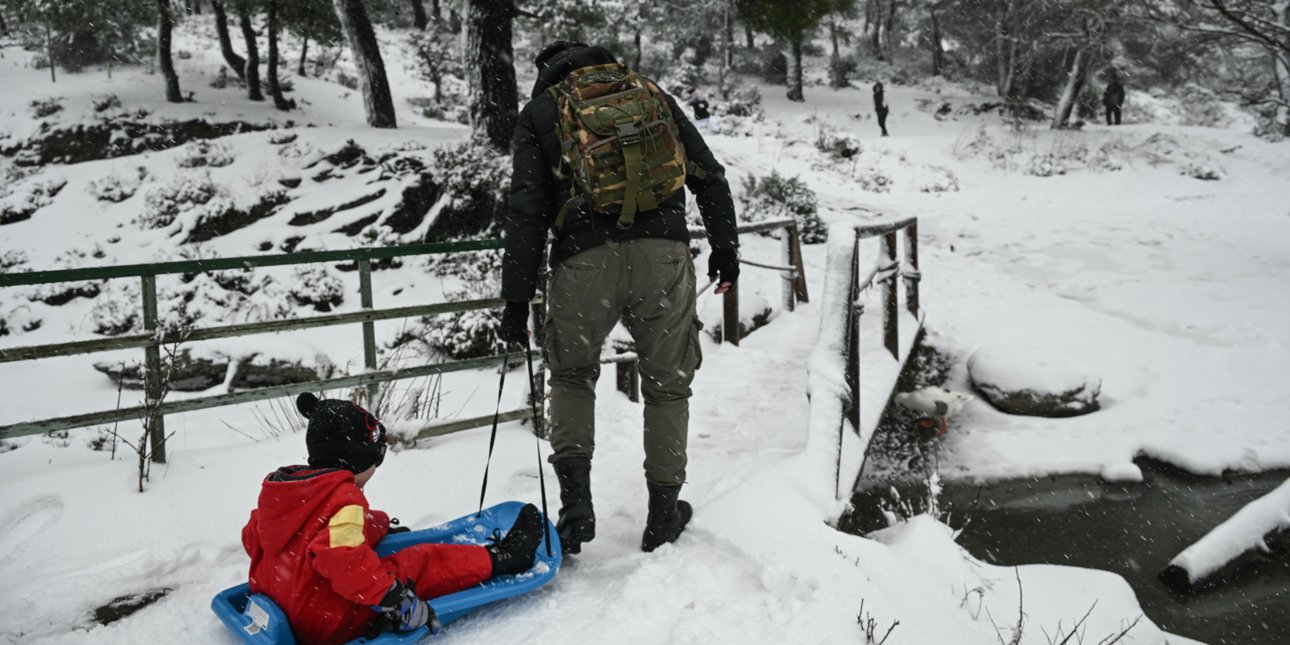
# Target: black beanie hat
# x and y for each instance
(554, 48)
(341, 434)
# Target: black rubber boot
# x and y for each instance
(668, 516)
(577, 523)
(515, 553)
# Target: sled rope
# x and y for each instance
(492, 439)
(537, 419)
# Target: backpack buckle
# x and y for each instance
(628, 133)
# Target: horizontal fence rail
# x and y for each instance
(155, 336)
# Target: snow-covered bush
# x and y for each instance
(1045, 164)
(204, 153)
(837, 144)
(60, 293)
(164, 203)
(12, 259)
(739, 101)
(475, 182)
(474, 267)
(1109, 157)
(105, 102)
(680, 78)
(465, 334)
(778, 197)
(315, 286)
(19, 319)
(23, 201)
(873, 179)
(42, 108)
(841, 70)
(118, 311)
(117, 188)
(771, 65)
(1203, 169)
(941, 180)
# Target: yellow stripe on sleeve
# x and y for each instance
(346, 526)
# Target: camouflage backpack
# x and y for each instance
(620, 142)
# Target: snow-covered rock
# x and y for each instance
(1033, 382)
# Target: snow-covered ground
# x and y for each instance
(1167, 287)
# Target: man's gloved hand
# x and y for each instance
(405, 610)
(723, 262)
(515, 318)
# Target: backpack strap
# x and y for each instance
(629, 136)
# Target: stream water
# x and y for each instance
(1133, 529)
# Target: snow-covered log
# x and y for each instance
(1241, 533)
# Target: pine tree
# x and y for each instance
(165, 23)
(226, 41)
(791, 23)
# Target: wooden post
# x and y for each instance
(152, 375)
(890, 324)
(369, 331)
(855, 308)
(629, 379)
(789, 279)
(730, 326)
(912, 276)
(795, 259)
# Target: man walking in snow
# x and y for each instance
(600, 155)
(1113, 97)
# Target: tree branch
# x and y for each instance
(1270, 40)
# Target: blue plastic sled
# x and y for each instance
(256, 619)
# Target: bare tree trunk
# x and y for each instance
(1282, 68)
(164, 25)
(304, 56)
(1074, 81)
(729, 42)
(494, 108)
(226, 42)
(1005, 50)
(833, 34)
(367, 57)
(275, 89)
(795, 70)
(418, 15)
(873, 18)
(4, 26)
(49, 52)
(252, 70)
(938, 50)
(434, 10)
(636, 51)
(749, 41)
(890, 30)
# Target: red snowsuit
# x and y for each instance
(310, 540)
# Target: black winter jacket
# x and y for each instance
(540, 185)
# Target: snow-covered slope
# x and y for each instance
(1164, 283)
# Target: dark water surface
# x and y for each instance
(1133, 529)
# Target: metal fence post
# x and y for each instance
(795, 259)
(912, 276)
(890, 325)
(369, 331)
(152, 366)
(789, 279)
(730, 330)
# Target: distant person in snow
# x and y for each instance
(702, 117)
(600, 158)
(312, 532)
(1113, 97)
(880, 107)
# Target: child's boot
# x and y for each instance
(515, 553)
(668, 516)
(577, 523)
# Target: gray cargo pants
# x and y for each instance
(649, 284)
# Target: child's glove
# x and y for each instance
(395, 528)
(405, 610)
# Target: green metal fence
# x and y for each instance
(154, 338)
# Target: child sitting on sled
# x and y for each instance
(311, 537)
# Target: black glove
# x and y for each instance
(395, 528)
(515, 319)
(405, 610)
(726, 263)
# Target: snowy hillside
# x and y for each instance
(1152, 254)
